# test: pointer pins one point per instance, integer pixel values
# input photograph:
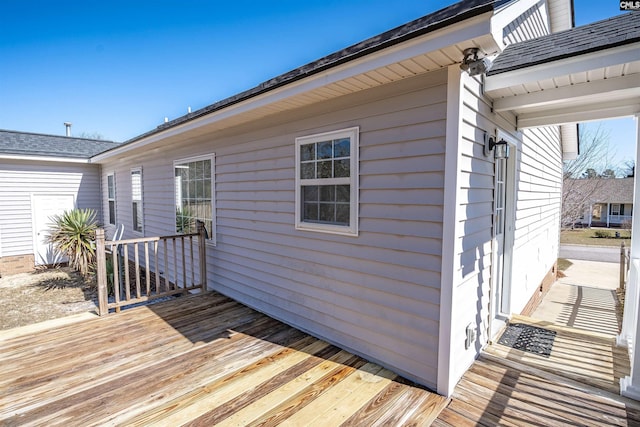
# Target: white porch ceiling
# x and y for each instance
(595, 86)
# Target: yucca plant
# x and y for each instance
(72, 235)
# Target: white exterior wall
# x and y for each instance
(538, 196)
(20, 179)
(472, 257)
(538, 211)
(376, 294)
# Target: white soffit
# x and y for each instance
(594, 86)
(433, 51)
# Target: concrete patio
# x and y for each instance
(584, 299)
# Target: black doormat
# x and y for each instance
(528, 338)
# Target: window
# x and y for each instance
(136, 199)
(111, 197)
(615, 209)
(327, 182)
(194, 194)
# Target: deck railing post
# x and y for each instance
(202, 254)
(623, 265)
(101, 273)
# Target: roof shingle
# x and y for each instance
(608, 33)
(35, 144)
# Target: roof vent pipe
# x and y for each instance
(67, 125)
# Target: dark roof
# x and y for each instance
(36, 144)
(611, 190)
(608, 33)
(428, 23)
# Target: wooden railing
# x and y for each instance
(132, 271)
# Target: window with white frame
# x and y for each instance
(327, 182)
(111, 197)
(136, 199)
(194, 186)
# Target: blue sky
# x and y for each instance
(117, 68)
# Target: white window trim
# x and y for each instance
(141, 201)
(352, 229)
(114, 199)
(212, 156)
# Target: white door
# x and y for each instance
(503, 241)
(43, 207)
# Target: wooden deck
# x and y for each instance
(577, 385)
(197, 360)
(207, 360)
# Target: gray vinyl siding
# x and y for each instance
(530, 25)
(20, 179)
(538, 209)
(376, 294)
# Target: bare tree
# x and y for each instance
(581, 177)
(90, 135)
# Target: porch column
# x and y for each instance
(630, 335)
(590, 214)
(608, 210)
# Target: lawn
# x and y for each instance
(589, 236)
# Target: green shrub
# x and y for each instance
(72, 235)
(600, 234)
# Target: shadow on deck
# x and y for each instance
(577, 384)
(196, 360)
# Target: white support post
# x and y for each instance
(630, 385)
(608, 210)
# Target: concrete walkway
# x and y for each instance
(585, 298)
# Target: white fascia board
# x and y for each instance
(578, 114)
(507, 14)
(562, 67)
(473, 28)
(629, 86)
(43, 158)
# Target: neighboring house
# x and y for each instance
(601, 202)
(41, 176)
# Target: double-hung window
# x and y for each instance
(327, 182)
(136, 199)
(194, 187)
(111, 197)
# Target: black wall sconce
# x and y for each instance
(501, 147)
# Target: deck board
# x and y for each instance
(577, 385)
(197, 360)
(207, 360)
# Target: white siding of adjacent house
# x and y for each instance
(20, 179)
(376, 294)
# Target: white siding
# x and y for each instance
(20, 179)
(537, 216)
(538, 206)
(530, 25)
(473, 249)
(376, 294)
